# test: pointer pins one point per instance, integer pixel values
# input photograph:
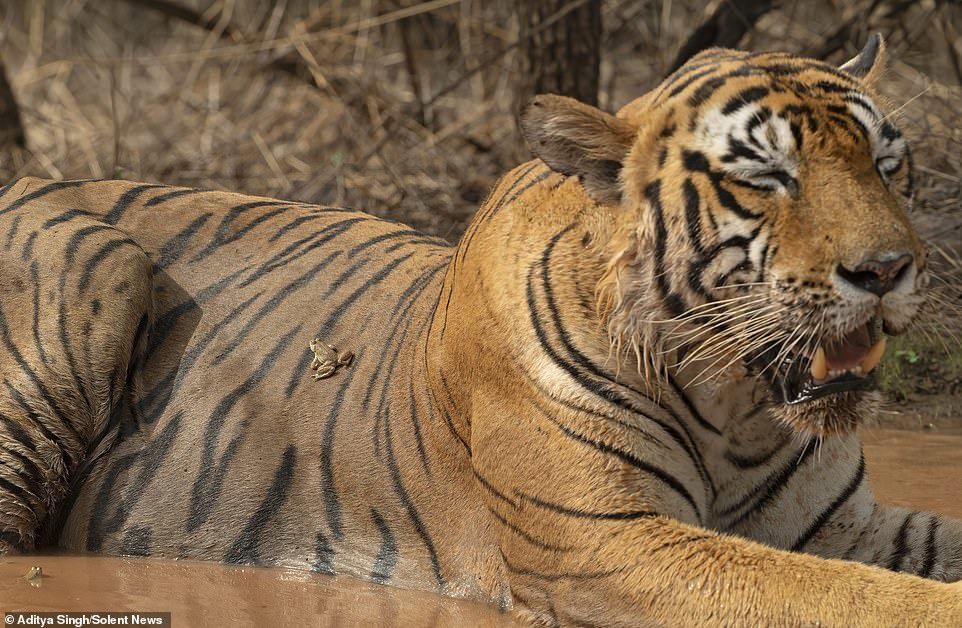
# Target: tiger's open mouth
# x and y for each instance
(836, 366)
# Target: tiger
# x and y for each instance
(629, 395)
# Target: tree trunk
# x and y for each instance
(11, 127)
(563, 52)
(723, 28)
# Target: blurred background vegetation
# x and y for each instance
(407, 108)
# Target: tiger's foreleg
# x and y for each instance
(74, 311)
(592, 528)
(662, 572)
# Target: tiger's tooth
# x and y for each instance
(819, 368)
(874, 356)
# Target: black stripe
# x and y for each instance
(409, 506)
(600, 390)
(527, 536)
(901, 546)
(226, 233)
(387, 555)
(343, 306)
(332, 501)
(35, 280)
(16, 432)
(272, 304)
(323, 555)
(47, 189)
(210, 478)
(245, 549)
(27, 251)
(573, 352)
(97, 517)
(20, 465)
(314, 214)
(384, 374)
(446, 416)
(491, 488)
(629, 425)
(137, 541)
(630, 458)
(928, 561)
(416, 424)
(705, 91)
(693, 215)
(739, 150)
(70, 253)
(167, 322)
(45, 394)
(150, 458)
(36, 420)
(168, 196)
(14, 493)
(672, 301)
(768, 489)
(489, 210)
(826, 514)
(745, 97)
(66, 216)
(845, 122)
(171, 250)
(691, 75)
(692, 410)
(324, 235)
(123, 203)
(94, 260)
(832, 87)
(744, 463)
(606, 390)
(12, 231)
(869, 522)
(412, 235)
(728, 200)
(616, 515)
(175, 377)
(758, 118)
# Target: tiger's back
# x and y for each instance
(227, 448)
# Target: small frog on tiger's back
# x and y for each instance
(327, 359)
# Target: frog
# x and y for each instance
(327, 359)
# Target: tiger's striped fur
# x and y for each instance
(487, 440)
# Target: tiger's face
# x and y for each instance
(764, 232)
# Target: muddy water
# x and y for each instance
(915, 469)
(205, 594)
(919, 470)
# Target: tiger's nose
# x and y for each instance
(877, 276)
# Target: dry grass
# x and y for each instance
(402, 108)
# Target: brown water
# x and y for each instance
(915, 469)
(207, 594)
(918, 470)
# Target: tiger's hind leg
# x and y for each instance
(74, 314)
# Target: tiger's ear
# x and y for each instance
(870, 64)
(576, 139)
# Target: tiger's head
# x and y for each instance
(760, 204)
